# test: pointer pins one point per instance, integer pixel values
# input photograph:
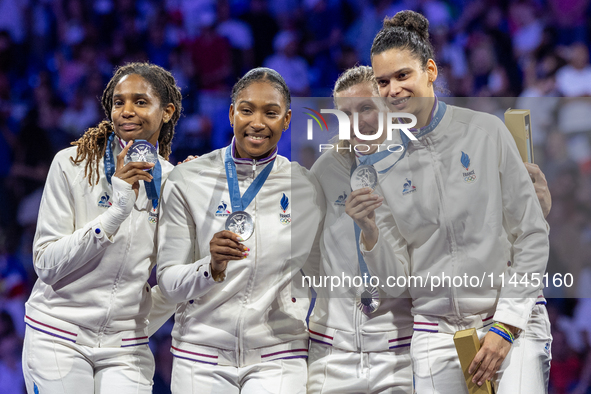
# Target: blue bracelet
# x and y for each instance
(501, 333)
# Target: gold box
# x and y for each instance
(518, 121)
(467, 345)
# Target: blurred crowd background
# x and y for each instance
(56, 56)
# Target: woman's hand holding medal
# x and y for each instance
(124, 180)
(132, 172)
(361, 206)
(223, 247)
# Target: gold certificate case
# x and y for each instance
(518, 121)
(467, 345)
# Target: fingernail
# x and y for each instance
(239, 239)
(247, 249)
(480, 383)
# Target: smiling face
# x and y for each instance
(137, 112)
(401, 77)
(259, 116)
(360, 98)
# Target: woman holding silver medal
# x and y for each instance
(493, 224)
(231, 256)
(87, 316)
(360, 337)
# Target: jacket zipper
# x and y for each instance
(357, 320)
(117, 279)
(449, 228)
(240, 322)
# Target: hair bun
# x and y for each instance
(411, 21)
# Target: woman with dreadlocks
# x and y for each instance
(94, 249)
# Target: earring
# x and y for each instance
(430, 83)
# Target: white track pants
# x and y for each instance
(287, 376)
(58, 366)
(331, 370)
(526, 368)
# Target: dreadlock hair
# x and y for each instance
(349, 78)
(405, 30)
(92, 144)
(262, 74)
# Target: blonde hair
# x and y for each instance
(351, 77)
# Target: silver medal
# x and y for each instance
(142, 151)
(364, 176)
(240, 223)
(368, 299)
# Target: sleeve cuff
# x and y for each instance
(98, 232)
(364, 251)
(511, 318)
(204, 271)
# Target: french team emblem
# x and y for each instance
(469, 176)
(105, 202)
(153, 216)
(284, 217)
(408, 187)
(222, 209)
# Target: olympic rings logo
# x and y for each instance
(285, 220)
(152, 220)
(470, 179)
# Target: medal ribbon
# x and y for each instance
(365, 160)
(240, 203)
(152, 188)
(109, 159)
(435, 119)
(373, 158)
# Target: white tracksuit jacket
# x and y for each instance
(457, 220)
(92, 289)
(336, 319)
(257, 313)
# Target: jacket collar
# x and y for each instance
(250, 162)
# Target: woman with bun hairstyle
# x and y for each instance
(232, 249)
(87, 316)
(471, 210)
(353, 349)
